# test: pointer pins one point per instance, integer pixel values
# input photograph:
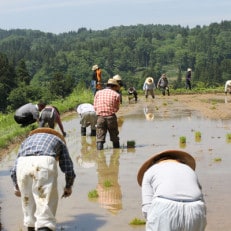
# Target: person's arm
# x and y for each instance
(59, 122)
(66, 166)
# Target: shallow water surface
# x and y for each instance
(112, 172)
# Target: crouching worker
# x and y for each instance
(172, 199)
(228, 87)
(35, 176)
(106, 104)
(50, 115)
(88, 118)
(132, 94)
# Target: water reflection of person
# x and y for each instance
(87, 158)
(110, 197)
(149, 113)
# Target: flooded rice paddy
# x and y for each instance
(112, 172)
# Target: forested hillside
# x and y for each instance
(36, 65)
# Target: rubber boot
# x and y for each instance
(116, 144)
(99, 145)
(83, 131)
(93, 132)
(30, 229)
(44, 229)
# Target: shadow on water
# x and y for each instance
(112, 172)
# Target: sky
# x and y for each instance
(60, 16)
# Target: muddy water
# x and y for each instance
(152, 130)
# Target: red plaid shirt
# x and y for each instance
(106, 102)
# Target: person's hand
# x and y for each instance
(17, 192)
(64, 134)
(67, 192)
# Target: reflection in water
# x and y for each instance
(87, 159)
(108, 188)
(149, 112)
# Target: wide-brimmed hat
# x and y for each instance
(112, 82)
(149, 80)
(184, 157)
(95, 67)
(117, 77)
(189, 69)
(47, 130)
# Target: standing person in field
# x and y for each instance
(149, 87)
(35, 175)
(28, 113)
(120, 82)
(106, 104)
(172, 199)
(188, 79)
(88, 118)
(50, 115)
(163, 84)
(96, 82)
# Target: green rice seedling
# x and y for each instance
(182, 139)
(197, 136)
(137, 221)
(107, 184)
(93, 194)
(228, 137)
(131, 143)
(217, 159)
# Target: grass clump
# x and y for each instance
(137, 221)
(217, 159)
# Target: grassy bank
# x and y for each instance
(11, 132)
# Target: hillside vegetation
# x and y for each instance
(35, 65)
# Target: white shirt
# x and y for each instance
(85, 107)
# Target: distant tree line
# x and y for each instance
(36, 65)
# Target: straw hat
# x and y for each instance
(149, 116)
(149, 80)
(47, 130)
(117, 77)
(112, 82)
(184, 157)
(189, 69)
(95, 67)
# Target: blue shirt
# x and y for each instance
(44, 144)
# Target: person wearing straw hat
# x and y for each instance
(106, 104)
(35, 174)
(172, 198)
(188, 79)
(149, 87)
(96, 82)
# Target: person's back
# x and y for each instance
(106, 102)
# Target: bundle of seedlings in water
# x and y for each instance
(182, 139)
(137, 221)
(131, 143)
(228, 137)
(93, 194)
(197, 136)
